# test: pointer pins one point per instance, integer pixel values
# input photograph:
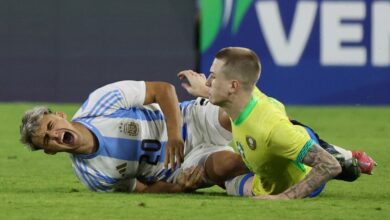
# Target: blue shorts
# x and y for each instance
(319, 189)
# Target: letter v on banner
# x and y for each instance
(286, 50)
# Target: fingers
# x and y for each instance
(172, 157)
(186, 74)
(181, 154)
(167, 157)
(178, 156)
(186, 86)
(195, 177)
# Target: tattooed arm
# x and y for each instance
(324, 167)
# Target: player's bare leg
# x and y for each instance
(224, 165)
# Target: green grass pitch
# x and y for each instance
(37, 186)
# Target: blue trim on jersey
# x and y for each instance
(79, 173)
(316, 192)
(242, 183)
(106, 178)
(184, 131)
(137, 113)
(97, 134)
(108, 104)
(183, 109)
(79, 165)
(183, 106)
(104, 103)
(85, 104)
(101, 101)
(164, 174)
(92, 179)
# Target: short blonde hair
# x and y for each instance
(240, 63)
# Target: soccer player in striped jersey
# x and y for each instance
(286, 158)
(117, 140)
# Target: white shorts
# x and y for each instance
(203, 136)
(201, 127)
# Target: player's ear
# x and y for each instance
(61, 114)
(234, 86)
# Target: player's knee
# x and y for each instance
(227, 164)
(234, 164)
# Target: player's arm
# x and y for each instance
(324, 167)
(187, 181)
(285, 140)
(165, 95)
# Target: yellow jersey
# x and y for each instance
(270, 145)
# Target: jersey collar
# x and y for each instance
(247, 110)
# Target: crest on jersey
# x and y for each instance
(251, 142)
(130, 128)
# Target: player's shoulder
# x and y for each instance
(120, 85)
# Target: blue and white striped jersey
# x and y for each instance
(131, 137)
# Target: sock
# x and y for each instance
(240, 185)
(346, 153)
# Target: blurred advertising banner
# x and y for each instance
(312, 52)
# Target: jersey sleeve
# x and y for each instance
(114, 96)
(287, 141)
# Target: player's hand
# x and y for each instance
(174, 152)
(191, 178)
(272, 197)
(194, 83)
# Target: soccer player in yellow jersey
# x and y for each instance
(286, 161)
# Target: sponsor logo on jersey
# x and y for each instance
(130, 128)
(251, 142)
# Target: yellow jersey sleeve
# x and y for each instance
(287, 141)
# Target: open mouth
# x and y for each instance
(68, 138)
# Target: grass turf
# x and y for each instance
(36, 186)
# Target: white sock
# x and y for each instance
(240, 185)
(346, 153)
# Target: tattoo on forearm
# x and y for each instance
(324, 167)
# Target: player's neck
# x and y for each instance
(89, 142)
(237, 104)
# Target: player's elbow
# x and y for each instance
(165, 86)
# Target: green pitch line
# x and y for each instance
(37, 186)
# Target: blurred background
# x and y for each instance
(312, 52)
